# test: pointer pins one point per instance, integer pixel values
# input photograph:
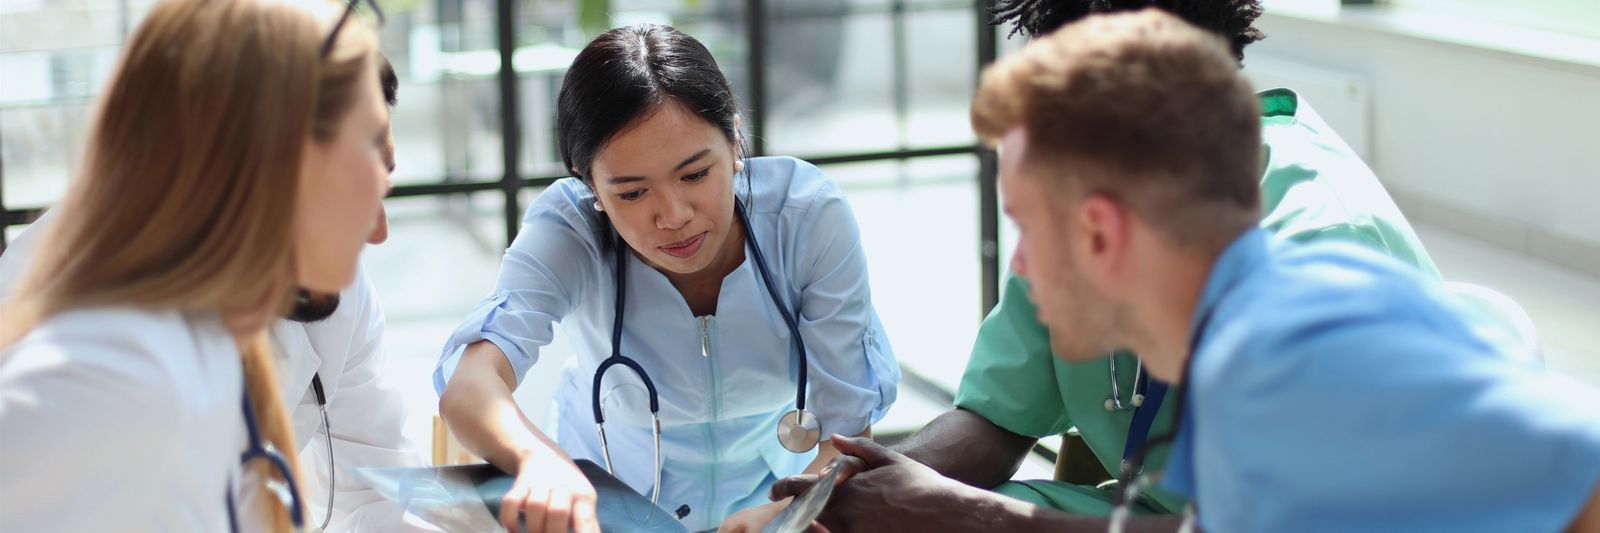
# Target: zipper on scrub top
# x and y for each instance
(705, 336)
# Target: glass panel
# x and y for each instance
(447, 125)
(551, 38)
(823, 100)
(919, 229)
(55, 57)
(941, 67)
(441, 258)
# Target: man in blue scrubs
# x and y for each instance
(1330, 388)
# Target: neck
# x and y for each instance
(244, 327)
(1165, 311)
(700, 289)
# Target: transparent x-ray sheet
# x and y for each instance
(467, 498)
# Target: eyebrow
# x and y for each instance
(619, 180)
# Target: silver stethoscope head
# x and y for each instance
(798, 431)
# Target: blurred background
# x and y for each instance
(1476, 114)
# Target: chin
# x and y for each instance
(677, 265)
(330, 280)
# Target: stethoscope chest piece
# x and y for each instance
(798, 431)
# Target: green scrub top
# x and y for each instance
(1314, 188)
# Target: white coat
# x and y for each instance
(365, 411)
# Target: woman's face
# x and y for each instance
(667, 184)
(342, 184)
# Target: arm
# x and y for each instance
(891, 492)
(1013, 515)
(1010, 394)
(478, 407)
(854, 377)
(967, 447)
(546, 270)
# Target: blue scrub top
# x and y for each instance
(1334, 389)
(723, 381)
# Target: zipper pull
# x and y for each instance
(705, 337)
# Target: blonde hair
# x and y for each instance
(1144, 108)
(186, 197)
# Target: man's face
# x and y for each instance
(1079, 319)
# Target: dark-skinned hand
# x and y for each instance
(881, 490)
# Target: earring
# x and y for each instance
(738, 166)
(598, 207)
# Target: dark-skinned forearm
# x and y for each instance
(968, 448)
(1000, 513)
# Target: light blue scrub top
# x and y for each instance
(723, 381)
(1335, 389)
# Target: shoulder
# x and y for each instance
(128, 328)
(790, 185)
(561, 224)
(123, 360)
(121, 338)
(1312, 305)
(567, 202)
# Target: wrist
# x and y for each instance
(990, 510)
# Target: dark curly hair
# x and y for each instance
(1233, 19)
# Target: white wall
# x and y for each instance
(1498, 145)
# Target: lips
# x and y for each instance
(684, 249)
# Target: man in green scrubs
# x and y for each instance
(1015, 391)
(1313, 188)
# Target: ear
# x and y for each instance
(1103, 244)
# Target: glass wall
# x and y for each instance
(876, 91)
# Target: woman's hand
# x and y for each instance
(550, 494)
(753, 519)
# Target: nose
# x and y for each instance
(1019, 262)
(380, 232)
(675, 213)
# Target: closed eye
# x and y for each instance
(631, 195)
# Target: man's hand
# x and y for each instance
(882, 490)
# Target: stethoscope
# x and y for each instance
(287, 490)
(798, 430)
(260, 450)
(1145, 392)
(1130, 484)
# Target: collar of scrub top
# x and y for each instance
(286, 491)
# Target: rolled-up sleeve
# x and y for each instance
(853, 373)
(543, 273)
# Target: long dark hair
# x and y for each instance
(625, 75)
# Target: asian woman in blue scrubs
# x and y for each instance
(722, 257)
